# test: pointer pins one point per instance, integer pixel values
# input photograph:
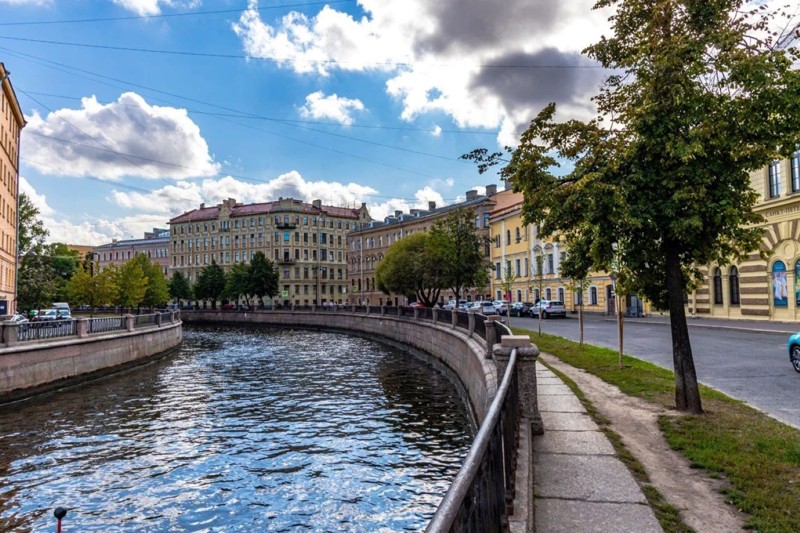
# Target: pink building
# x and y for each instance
(155, 245)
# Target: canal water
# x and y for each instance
(242, 430)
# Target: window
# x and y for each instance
(796, 171)
(285, 236)
(527, 273)
(550, 268)
(733, 284)
(547, 294)
(516, 236)
(508, 236)
(561, 294)
(592, 295)
(497, 241)
(518, 269)
(717, 287)
(775, 179)
(497, 273)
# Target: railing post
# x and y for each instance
(82, 327)
(454, 318)
(398, 311)
(435, 314)
(313, 308)
(383, 310)
(367, 309)
(491, 335)
(130, 322)
(527, 354)
(10, 333)
(158, 319)
(471, 316)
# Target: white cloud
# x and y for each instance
(153, 7)
(27, 2)
(128, 137)
(38, 200)
(437, 131)
(437, 62)
(332, 107)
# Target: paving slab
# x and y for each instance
(568, 516)
(555, 388)
(564, 421)
(562, 403)
(597, 478)
(573, 442)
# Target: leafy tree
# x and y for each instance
(210, 283)
(179, 287)
(64, 263)
(131, 282)
(237, 282)
(157, 292)
(701, 94)
(461, 249)
(263, 277)
(85, 289)
(413, 266)
(36, 283)
(32, 233)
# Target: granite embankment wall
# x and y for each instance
(33, 367)
(453, 347)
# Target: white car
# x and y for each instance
(549, 308)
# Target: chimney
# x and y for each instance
(203, 205)
(431, 206)
(317, 204)
(491, 190)
(471, 195)
(398, 213)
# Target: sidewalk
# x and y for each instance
(579, 484)
(759, 326)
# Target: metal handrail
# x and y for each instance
(459, 510)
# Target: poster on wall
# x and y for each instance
(780, 287)
(797, 282)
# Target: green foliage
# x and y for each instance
(460, 247)
(237, 282)
(210, 283)
(415, 266)
(263, 277)
(85, 289)
(32, 233)
(179, 287)
(37, 287)
(157, 292)
(64, 262)
(131, 282)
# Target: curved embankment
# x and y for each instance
(464, 355)
(33, 367)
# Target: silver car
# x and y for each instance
(549, 308)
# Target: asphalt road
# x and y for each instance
(749, 366)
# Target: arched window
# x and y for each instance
(780, 288)
(592, 295)
(717, 286)
(561, 294)
(516, 235)
(536, 294)
(733, 284)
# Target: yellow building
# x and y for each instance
(756, 288)
(11, 123)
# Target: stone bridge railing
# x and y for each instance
(481, 351)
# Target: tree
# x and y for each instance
(32, 233)
(36, 283)
(237, 282)
(64, 263)
(179, 287)
(263, 277)
(210, 283)
(157, 291)
(414, 266)
(85, 289)
(131, 283)
(461, 249)
(701, 94)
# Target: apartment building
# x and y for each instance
(307, 242)
(757, 288)
(11, 123)
(154, 245)
(367, 246)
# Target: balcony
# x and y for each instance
(286, 225)
(286, 261)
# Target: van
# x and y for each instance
(62, 308)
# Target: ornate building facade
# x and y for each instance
(307, 243)
(154, 245)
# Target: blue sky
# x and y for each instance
(139, 110)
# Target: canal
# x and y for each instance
(241, 430)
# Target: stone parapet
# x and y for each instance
(527, 354)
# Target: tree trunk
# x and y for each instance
(580, 319)
(687, 393)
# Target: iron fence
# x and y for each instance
(445, 315)
(462, 320)
(144, 320)
(480, 325)
(426, 313)
(375, 309)
(52, 329)
(100, 325)
(407, 311)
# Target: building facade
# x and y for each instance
(758, 288)
(367, 246)
(307, 242)
(11, 123)
(154, 245)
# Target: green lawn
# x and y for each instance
(759, 456)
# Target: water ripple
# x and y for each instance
(242, 430)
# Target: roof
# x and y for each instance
(134, 242)
(406, 217)
(243, 210)
(506, 202)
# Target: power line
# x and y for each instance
(171, 15)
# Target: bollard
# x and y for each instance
(59, 513)
(471, 316)
(527, 354)
(454, 318)
(491, 335)
(435, 314)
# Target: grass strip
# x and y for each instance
(757, 455)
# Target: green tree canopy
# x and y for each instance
(85, 289)
(210, 283)
(37, 286)
(461, 248)
(179, 287)
(414, 266)
(31, 233)
(263, 277)
(237, 282)
(131, 282)
(157, 292)
(700, 94)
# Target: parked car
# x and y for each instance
(793, 345)
(416, 304)
(549, 308)
(516, 309)
(487, 308)
(48, 315)
(502, 307)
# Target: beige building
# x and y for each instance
(11, 123)
(367, 247)
(307, 242)
(756, 288)
(154, 245)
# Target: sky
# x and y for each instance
(140, 110)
